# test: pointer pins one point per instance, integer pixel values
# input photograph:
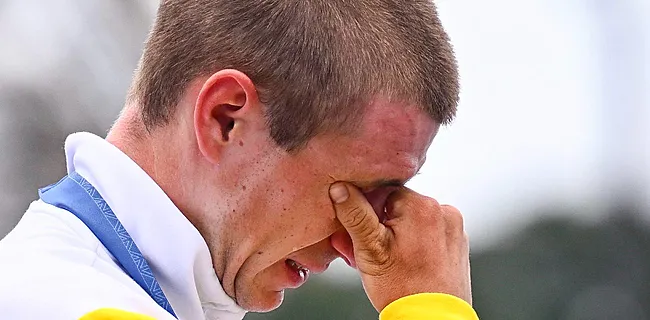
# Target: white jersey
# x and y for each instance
(53, 267)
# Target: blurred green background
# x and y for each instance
(548, 159)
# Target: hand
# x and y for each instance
(421, 247)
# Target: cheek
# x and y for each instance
(300, 211)
(303, 213)
(314, 216)
(308, 197)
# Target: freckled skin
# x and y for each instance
(293, 214)
(257, 205)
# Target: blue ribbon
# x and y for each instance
(76, 195)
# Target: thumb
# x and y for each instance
(356, 215)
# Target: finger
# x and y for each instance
(355, 214)
(454, 219)
(405, 202)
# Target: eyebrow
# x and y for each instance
(382, 183)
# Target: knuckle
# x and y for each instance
(355, 218)
(381, 261)
(379, 256)
(436, 211)
(358, 223)
(451, 210)
(432, 203)
(428, 203)
(385, 262)
(453, 215)
(454, 220)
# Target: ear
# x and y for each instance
(226, 104)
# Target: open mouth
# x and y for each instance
(298, 268)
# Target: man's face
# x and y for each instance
(285, 211)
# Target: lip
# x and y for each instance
(314, 267)
(294, 279)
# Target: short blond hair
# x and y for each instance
(315, 63)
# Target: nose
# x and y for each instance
(342, 243)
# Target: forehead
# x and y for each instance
(390, 143)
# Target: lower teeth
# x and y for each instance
(295, 266)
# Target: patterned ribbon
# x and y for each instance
(76, 195)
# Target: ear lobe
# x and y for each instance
(221, 108)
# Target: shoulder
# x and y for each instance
(68, 291)
(51, 268)
(45, 227)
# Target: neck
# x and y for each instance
(163, 154)
(159, 153)
(131, 136)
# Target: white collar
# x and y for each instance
(176, 252)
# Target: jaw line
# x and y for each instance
(233, 271)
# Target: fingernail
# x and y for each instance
(339, 193)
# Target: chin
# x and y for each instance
(260, 301)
